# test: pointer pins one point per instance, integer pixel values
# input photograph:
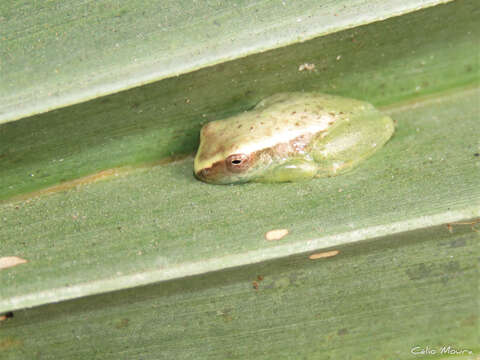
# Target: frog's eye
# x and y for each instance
(237, 162)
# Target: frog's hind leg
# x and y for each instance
(350, 142)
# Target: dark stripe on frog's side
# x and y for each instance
(280, 151)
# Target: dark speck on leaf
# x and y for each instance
(476, 154)
(6, 316)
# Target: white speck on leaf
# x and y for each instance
(306, 66)
(9, 261)
(276, 234)
(323, 255)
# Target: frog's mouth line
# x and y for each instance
(211, 174)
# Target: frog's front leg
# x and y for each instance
(290, 171)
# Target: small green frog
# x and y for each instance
(291, 137)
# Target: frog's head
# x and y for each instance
(225, 155)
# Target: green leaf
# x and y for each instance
(74, 51)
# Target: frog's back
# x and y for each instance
(283, 117)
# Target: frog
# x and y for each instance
(291, 137)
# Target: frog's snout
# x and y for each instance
(212, 174)
(202, 174)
